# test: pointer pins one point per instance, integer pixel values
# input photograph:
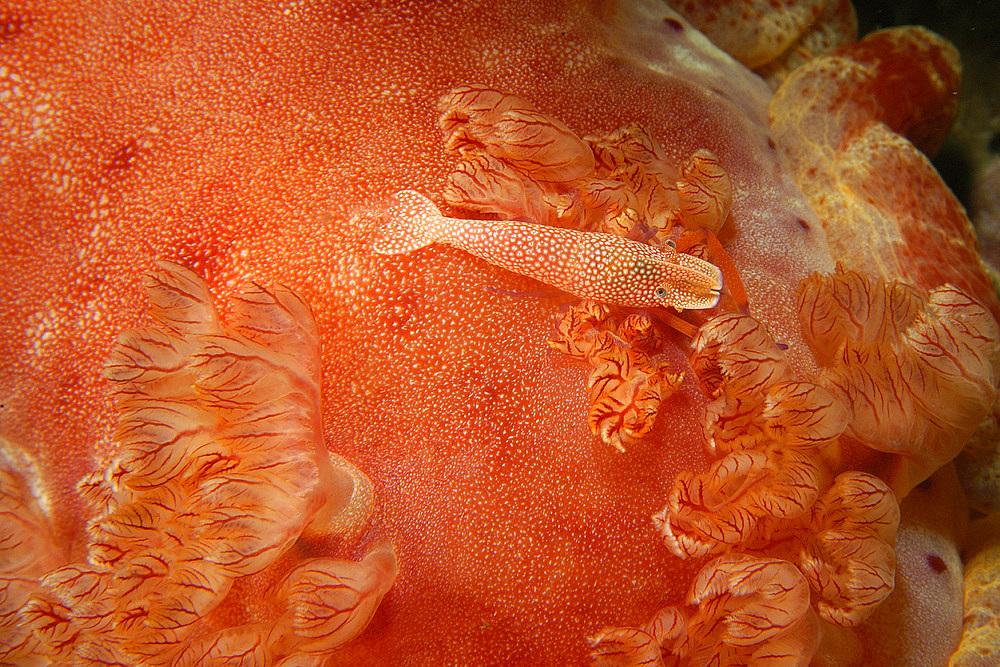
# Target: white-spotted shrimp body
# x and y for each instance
(590, 265)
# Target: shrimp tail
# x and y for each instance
(410, 222)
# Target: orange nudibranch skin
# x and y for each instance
(590, 265)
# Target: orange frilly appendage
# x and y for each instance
(221, 467)
(740, 610)
(847, 552)
(772, 486)
(772, 499)
(762, 425)
(918, 373)
(626, 384)
(27, 551)
(705, 192)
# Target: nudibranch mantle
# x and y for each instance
(590, 265)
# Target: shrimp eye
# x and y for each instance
(661, 292)
(672, 244)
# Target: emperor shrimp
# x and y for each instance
(591, 265)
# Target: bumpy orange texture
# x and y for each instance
(773, 37)
(856, 121)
